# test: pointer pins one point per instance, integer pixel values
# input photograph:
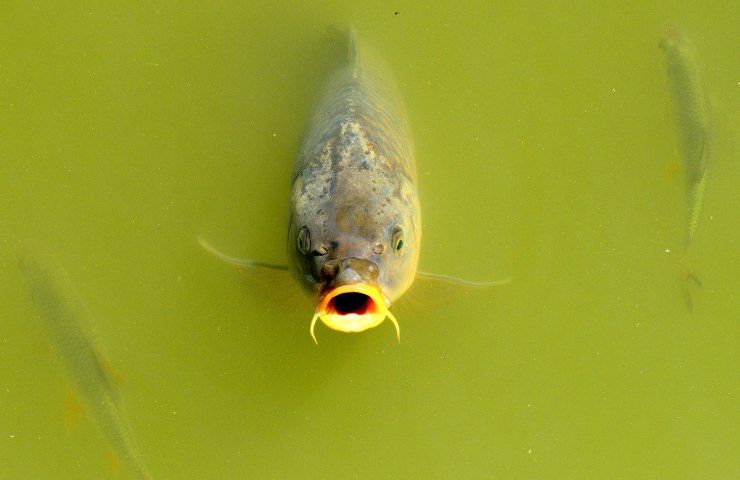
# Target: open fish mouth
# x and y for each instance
(352, 308)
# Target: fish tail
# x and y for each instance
(694, 204)
(687, 276)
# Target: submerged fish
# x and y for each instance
(694, 128)
(68, 325)
(355, 222)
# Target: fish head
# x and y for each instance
(354, 269)
(671, 36)
(675, 44)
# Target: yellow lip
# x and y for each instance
(352, 313)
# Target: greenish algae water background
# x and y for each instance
(543, 135)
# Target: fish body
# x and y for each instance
(68, 325)
(693, 120)
(355, 222)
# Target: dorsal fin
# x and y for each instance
(353, 45)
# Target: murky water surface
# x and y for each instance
(546, 152)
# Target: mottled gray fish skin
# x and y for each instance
(693, 119)
(354, 186)
(68, 325)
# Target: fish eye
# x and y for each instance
(397, 239)
(304, 241)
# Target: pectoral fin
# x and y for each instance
(109, 376)
(114, 463)
(239, 262)
(269, 281)
(460, 281)
(431, 291)
(72, 411)
(111, 373)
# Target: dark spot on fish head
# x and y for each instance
(334, 244)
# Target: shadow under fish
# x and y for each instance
(68, 325)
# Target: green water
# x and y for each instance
(544, 142)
